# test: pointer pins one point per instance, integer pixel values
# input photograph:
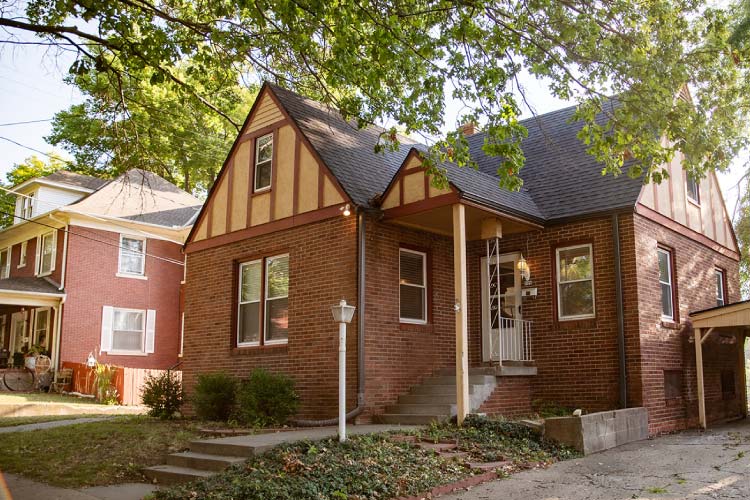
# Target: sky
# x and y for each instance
(32, 88)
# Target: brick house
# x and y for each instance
(574, 291)
(95, 267)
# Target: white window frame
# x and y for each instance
(22, 255)
(35, 328)
(690, 198)
(266, 299)
(241, 303)
(126, 274)
(670, 274)
(413, 321)
(27, 206)
(721, 300)
(560, 315)
(5, 270)
(257, 189)
(40, 253)
(142, 350)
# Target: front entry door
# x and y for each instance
(501, 306)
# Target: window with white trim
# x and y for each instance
(22, 257)
(693, 189)
(720, 285)
(666, 283)
(128, 331)
(263, 162)
(412, 281)
(263, 301)
(5, 263)
(27, 206)
(46, 251)
(132, 259)
(41, 327)
(575, 282)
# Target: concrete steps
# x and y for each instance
(202, 461)
(171, 474)
(434, 400)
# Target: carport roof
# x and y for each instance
(30, 285)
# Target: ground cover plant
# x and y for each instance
(376, 466)
(89, 454)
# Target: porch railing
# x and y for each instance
(511, 341)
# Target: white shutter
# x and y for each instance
(150, 330)
(107, 313)
(38, 254)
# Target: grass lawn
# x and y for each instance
(98, 453)
(41, 397)
(15, 421)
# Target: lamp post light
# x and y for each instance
(342, 314)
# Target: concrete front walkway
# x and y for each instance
(688, 465)
(26, 489)
(50, 425)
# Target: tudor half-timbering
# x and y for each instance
(469, 297)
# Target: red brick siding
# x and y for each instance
(664, 347)
(322, 271)
(28, 269)
(91, 284)
(511, 398)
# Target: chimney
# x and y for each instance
(468, 129)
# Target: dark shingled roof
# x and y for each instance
(561, 179)
(29, 284)
(74, 179)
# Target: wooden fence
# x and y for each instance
(128, 381)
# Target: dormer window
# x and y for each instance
(263, 162)
(693, 190)
(27, 206)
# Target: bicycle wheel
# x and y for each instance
(19, 379)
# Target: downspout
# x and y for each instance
(620, 312)
(361, 261)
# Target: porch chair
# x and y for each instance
(63, 377)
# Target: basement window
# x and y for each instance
(263, 162)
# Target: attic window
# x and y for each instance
(693, 190)
(263, 162)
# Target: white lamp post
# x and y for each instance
(342, 314)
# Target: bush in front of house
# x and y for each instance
(266, 398)
(162, 395)
(214, 396)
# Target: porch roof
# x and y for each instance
(30, 285)
(736, 314)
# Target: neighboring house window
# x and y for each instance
(263, 162)
(4, 263)
(575, 282)
(720, 285)
(666, 282)
(132, 255)
(263, 300)
(693, 189)
(22, 257)
(41, 327)
(128, 331)
(412, 280)
(27, 206)
(46, 252)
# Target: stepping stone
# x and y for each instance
(454, 455)
(437, 446)
(403, 438)
(489, 466)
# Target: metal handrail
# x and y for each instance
(513, 339)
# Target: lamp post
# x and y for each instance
(342, 314)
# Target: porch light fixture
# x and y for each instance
(523, 266)
(342, 314)
(345, 210)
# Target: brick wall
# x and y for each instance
(322, 271)
(511, 398)
(91, 284)
(665, 346)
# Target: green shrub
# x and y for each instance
(266, 399)
(106, 392)
(162, 395)
(214, 396)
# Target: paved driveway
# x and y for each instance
(689, 465)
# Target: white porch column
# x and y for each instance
(699, 371)
(459, 284)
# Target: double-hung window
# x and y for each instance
(412, 279)
(41, 327)
(263, 301)
(263, 162)
(132, 260)
(575, 282)
(693, 189)
(128, 331)
(27, 206)
(46, 252)
(666, 283)
(720, 286)
(22, 257)
(5, 263)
